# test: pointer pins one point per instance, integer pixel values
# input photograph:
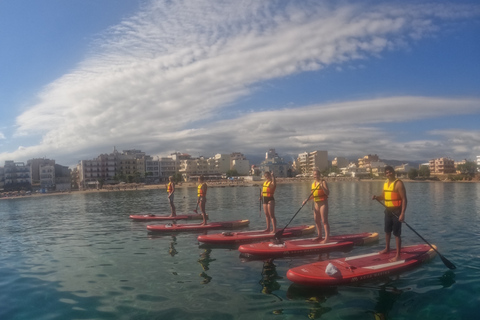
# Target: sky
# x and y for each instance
(400, 79)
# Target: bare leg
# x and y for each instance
(326, 225)
(318, 222)
(267, 216)
(398, 242)
(271, 206)
(204, 214)
(387, 245)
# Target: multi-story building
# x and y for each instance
(340, 162)
(16, 176)
(167, 167)
(366, 161)
(442, 166)
(62, 178)
(42, 172)
(152, 169)
(308, 161)
(2, 177)
(274, 163)
(239, 163)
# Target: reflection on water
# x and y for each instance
(205, 262)
(385, 303)
(172, 251)
(270, 276)
(78, 256)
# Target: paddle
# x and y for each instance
(260, 202)
(278, 234)
(447, 263)
(196, 208)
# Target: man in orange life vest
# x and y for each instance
(395, 198)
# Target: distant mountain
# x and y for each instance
(395, 163)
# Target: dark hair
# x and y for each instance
(389, 168)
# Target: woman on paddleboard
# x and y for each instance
(170, 191)
(268, 190)
(320, 194)
(202, 198)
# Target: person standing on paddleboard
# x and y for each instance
(171, 191)
(268, 190)
(320, 194)
(202, 197)
(395, 198)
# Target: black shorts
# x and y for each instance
(266, 200)
(391, 222)
(171, 199)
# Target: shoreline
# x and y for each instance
(211, 184)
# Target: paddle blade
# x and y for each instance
(447, 263)
(278, 235)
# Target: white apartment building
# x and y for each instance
(309, 161)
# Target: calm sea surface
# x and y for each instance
(79, 256)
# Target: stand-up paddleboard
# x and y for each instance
(198, 227)
(351, 270)
(306, 246)
(153, 217)
(252, 236)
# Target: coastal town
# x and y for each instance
(133, 168)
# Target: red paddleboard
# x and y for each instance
(153, 217)
(198, 227)
(359, 268)
(252, 236)
(306, 246)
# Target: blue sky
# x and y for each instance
(399, 79)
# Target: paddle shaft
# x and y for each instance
(445, 260)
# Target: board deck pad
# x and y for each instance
(169, 227)
(154, 217)
(253, 235)
(359, 268)
(306, 246)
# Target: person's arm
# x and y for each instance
(324, 186)
(380, 197)
(400, 188)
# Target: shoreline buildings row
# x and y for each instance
(133, 165)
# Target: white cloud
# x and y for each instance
(163, 78)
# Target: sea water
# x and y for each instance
(79, 256)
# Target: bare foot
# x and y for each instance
(384, 251)
(324, 241)
(396, 258)
(266, 230)
(317, 239)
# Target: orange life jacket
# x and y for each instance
(268, 189)
(318, 194)
(169, 187)
(392, 198)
